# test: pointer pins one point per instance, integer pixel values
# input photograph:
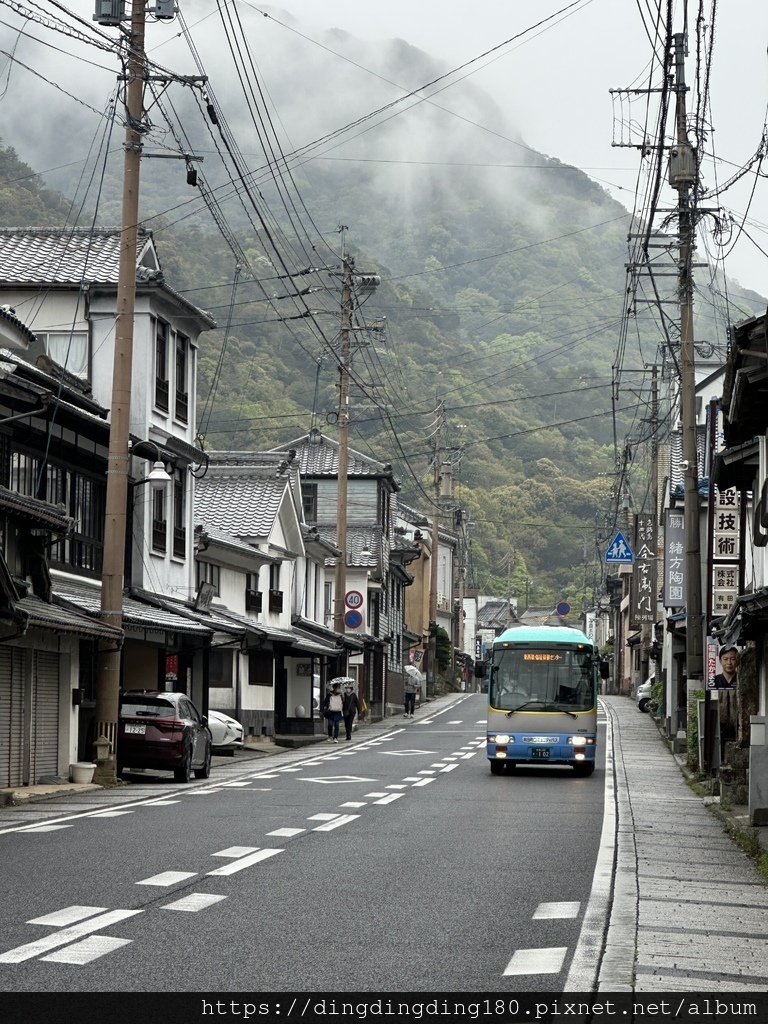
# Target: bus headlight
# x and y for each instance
(500, 737)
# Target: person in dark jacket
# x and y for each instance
(332, 708)
(350, 708)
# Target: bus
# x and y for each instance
(542, 698)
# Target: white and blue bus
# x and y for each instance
(542, 698)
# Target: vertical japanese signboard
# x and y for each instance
(643, 594)
(725, 550)
(674, 558)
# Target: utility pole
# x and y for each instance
(432, 659)
(682, 177)
(341, 505)
(115, 526)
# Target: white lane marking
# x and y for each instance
(389, 799)
(397, 785)
(335, 780)
(355, 803)
(272, 776)
(411, 778)
(244, 862)
(69, 915)
(167, 878)
(448, 768)
(45, 828)
(65, 936)
(322, 817)
(472, 753)
(480, 721)
(408, 753)
(537, 961)
(342, 819)
(427, 771)
(206, 791)
(426, 721)
(194, 902)
(163, 803)
(232, 785)
(235, 851)
(438, 764)
(373, 795)
(83, 952)
(290, 769)
(456, 721)
(286, 832)
(422, 782)
(111, 814)
(551, 911)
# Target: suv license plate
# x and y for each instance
(138, 727)
(540, 752)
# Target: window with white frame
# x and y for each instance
(182, 378)
(161, 365)
(208, 572)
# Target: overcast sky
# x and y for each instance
(554, 83)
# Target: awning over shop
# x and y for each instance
(32, 613)
(747, 619)
(736, 467)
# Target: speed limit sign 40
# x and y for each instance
(353, 599)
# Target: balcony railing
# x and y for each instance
(275, 600)
(159, 535)
(253, 600)
(182, 406)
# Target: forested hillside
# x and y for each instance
(501, 296)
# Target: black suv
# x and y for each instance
(165, 731)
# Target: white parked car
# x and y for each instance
(643, 694)
(227, 733)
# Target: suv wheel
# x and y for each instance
(205, 771)
(184, 773)
(643, 704)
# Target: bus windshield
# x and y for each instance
(541, 679)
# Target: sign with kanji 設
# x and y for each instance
(619, 552)
(674, 558)
(726, 539)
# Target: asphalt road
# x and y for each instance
(391, 864)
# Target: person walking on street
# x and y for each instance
(411, 689)
(350, 708)
(332, 707)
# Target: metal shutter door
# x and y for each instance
(45, 716)
(11, 716)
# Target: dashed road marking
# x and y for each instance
(45, 828)
(390, 798)
(65, 936)
(235, 851)
(87, 950)
(67, 916)
(194, 902)
(244, 862)
(537, 961)
(552, 911)
(286, 832)
(340, 819)
(167, 878)
(422, 782)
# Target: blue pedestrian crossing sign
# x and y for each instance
(619, 552)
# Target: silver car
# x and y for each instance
(643, 695)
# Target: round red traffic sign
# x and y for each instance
(353, 599)
(353, 619)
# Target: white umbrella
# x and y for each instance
(343, 681)
(413, 671)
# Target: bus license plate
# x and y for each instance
(540, 752)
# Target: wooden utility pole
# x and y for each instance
(682, 177)
(115, 527)
(432, 659)
(341, 504)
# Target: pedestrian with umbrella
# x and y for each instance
(332, 709)
(350, 707)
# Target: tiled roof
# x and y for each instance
(87, 598)
(71, 256)
(241, 503)
(39, 615)
(319, 456)
(41, 513)
(12, 329)
(359, 539)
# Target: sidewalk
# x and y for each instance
(689, 911)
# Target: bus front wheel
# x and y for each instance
(497, 767)
(584, 767)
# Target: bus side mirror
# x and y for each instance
(481, 669)
(605, 670)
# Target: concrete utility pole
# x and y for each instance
(115, 527)
(682, 177)
(341, 504)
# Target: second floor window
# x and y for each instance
(207, 572)
(179, 514)
(159, 522)
(161, 365)
(70, 350)
(182, 374)
(309, 501)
